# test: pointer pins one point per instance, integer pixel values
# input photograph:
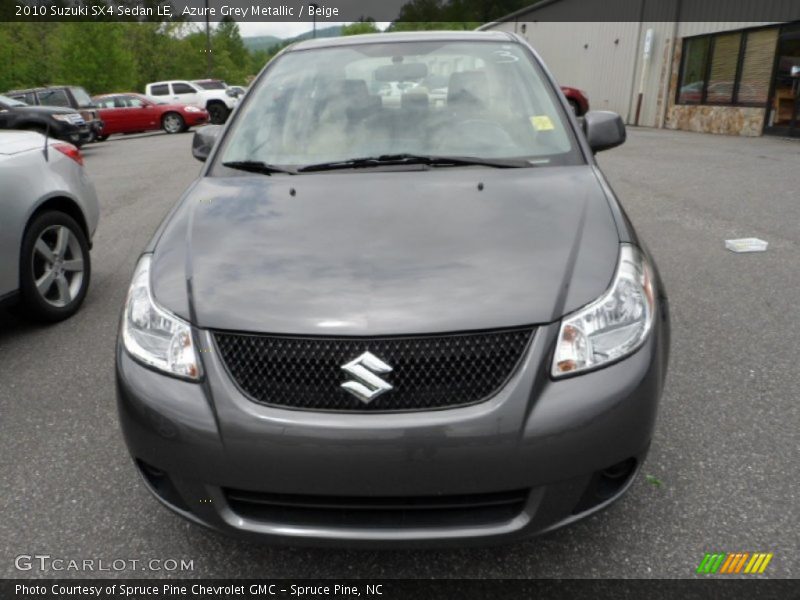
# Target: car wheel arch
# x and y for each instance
(31, 125)
(224, 112)
(59, 203)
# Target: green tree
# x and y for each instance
(360, 27)
(231, 59)
(26, 50)
(434, 25)
(96, 56)
(155, 48)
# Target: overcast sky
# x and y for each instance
(285, 29)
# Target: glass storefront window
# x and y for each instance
(724, 61)
(693, 80)
(759, 57)
(728, 68)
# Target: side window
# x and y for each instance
(105, 103)
(54, 98)
(161, 89)
(133, 102)
(182, 88)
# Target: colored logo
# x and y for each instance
(722, 563)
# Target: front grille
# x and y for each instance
(428, 372)
(380, 511)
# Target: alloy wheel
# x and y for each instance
(57, 266)
(173, 123)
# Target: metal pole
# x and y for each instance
(314, 19)
(208, 44)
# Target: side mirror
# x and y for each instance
(603, 129)
(204, 140)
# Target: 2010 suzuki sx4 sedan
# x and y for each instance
(400, 306)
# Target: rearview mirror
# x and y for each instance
(604, 129)
(204, 140)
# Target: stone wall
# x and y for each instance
(727, 120)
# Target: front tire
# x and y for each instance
(217, 113)
(55, 267)
(172, 122)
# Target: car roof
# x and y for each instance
(404, 36)
(41, 88)
(170, 81)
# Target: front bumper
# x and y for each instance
(193, 119)
(549, 440)
(74, 134)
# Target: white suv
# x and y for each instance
(218, 103)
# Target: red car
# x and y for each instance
(577, 100)
(134, 113)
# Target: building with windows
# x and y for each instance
(663, 64)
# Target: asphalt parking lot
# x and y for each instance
(727, 439)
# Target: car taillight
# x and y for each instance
(69, 150)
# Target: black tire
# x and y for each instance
(217, 113)
(53, 305)
(102, 138)
(576, 108)
(173, 122)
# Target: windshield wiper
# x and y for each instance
(416, 159)
(256, 166)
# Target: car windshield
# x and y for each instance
(485, 100)
(6, 101)
(211, 85)
(81, 97)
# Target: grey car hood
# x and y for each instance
(377, 252)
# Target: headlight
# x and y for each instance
(612, 326)
(153, 335)
(66, 118)
(230, 93)
(192, 109)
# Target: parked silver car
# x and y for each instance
(48, 215)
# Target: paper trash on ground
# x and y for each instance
(746, 245)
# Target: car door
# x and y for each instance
(147, 117)
(137, 117)
(110, 115)
(184, 93)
